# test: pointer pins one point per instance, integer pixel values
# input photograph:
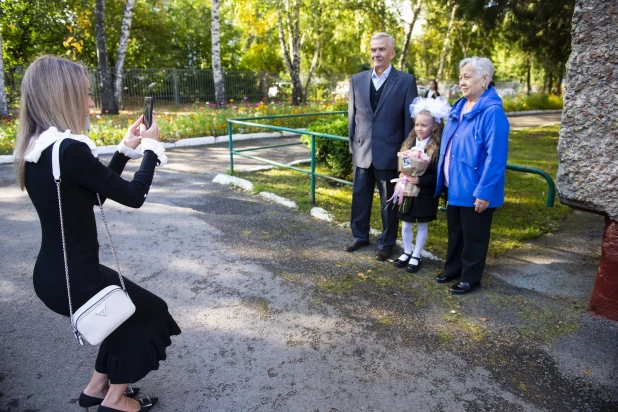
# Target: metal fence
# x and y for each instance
(188, 86)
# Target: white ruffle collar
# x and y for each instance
(422, 143)
(50, 136)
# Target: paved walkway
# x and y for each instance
(245, 280)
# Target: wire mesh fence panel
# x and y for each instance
(177, 87)
(12, 84)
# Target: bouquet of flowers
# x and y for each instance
(412, 162)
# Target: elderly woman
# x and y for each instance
(471, 170)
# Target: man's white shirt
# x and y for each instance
(379, 81)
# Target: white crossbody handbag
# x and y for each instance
(109, 308)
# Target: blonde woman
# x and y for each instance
(54, 104)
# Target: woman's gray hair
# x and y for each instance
(382, 35)
(482, 65)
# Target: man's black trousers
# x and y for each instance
(365, 181)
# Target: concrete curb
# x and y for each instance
(193, 141)
(532, 112)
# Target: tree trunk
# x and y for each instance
(108, 104)
(406, 46)
(122, 50)
(291, 54)
(217, 71)
(314, 63)
(316, 54)
(445, 43)
(4, 108)
(528, 70)
(551, 82)
(559, 84)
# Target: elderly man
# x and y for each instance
(378, 121)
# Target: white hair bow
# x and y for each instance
(438, 107)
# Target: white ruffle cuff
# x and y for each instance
(128, 152)
(157, 147)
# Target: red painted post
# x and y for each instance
(604, 300)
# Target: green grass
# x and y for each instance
(523, 217)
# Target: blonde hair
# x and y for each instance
(54, 92)
(433, 146)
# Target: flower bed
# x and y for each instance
(191, 121)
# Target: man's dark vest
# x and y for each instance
(374, 95)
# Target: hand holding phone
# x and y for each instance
(148, 106)
(133, 136)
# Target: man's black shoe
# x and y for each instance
(383, 254)
(443, 277)
(356, 245)
(460, 288)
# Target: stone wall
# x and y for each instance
(588, 148)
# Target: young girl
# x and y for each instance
(428, 114)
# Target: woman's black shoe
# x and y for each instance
(402, 263)
(146, 403)
(86, 401)
(412, 268)
(460, 288)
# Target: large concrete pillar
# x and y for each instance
(588, 148)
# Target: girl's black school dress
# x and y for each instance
(424, 207)
(136, 347)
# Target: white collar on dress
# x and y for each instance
(422, 143)
(50, 136)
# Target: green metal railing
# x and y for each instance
(244, 122)
(250, 121)
(551, 192)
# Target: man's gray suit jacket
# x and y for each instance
(377, 137)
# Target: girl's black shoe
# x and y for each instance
(412, 268)
(146, 403)
(402, 263)
(86, 401)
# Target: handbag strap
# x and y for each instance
(57, 180)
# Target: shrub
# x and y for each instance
(540, 101)
(335, 153)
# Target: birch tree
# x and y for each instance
(317, 17)
(108, 103)
(416, 10)
(4, 109)
(446, 41)
(122, 50)
(216, 54)
(290, 39)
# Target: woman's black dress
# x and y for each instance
(424, 207)
(136, 347)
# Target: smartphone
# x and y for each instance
(148, 104)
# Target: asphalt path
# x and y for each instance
(255, 337)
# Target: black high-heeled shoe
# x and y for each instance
(147, 403)
(402, 263)
(86, 401)
(412, 268)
